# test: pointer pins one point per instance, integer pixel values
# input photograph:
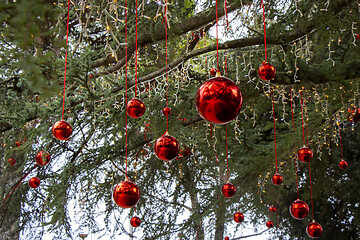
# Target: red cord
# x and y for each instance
(263, 7)
(306, 125)
(273, 107)
(126, 89)
(66, 53)
(217, 37)
(295, 159)
(311, 193)
(166, 69)
(227, 153)
(227, 26)
(302, 116)
(342, 155)
(136, 45)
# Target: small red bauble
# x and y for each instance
(269, 224)
(343, 164)
(277, 179)
(226, 238)
(218, 100)
(266, 71)
(126, 194)
(18, 143)
(354, 114)
(166, 111)
(314, 230)
(166, 147)
(12, 161)
(62, 130)
(299, 209)
(42, 159)
(305, 154)
(272, 209)
(213, 71)
(135, 108)
(228, 190)
(358, 36)
(238, 217)
(34, 182)
(135, 221)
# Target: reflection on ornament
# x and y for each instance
(34, 182)
(228, 190)
(11, 161)
(266, 71)
(126, 194)
(299, 209)
(135, 221)
(135, 108)
(62, 130)
(272, 209)
(277, 179)
(269, 224)
(42, 159)
(305, 154)
(166, 147)
(314, 230)
(354, 114)
(218, 100)
(166, 111)
(238, 217)
(343, 164)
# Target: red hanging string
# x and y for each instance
(263, 7)
(311, 193)
(306, 124)
(217, 37)
(227, 26)
(227, 153)
(342, 155)
(126, 89)
(273, 107)
(136, 45)
(302, 115)
(66, 53)
(295, 159)
(166, 68)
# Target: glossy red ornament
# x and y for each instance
(299, 209)
(226, 238)
(277, 179)
(166, 111)
(228, 190)
(42, 159)
(272, 209)
(135, 108)
(354, 114)
(266, 71)
(135, 221)
(358, 36)
(166, 147)
(19, 143)
(34, 182)
(126, 194)
(62, 130)
(314, 230)
(218, 100)
(213, 71)
(305, 154)
(269, 224)
(343, 164)
(238, 217)
(11, 161)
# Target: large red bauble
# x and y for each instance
(218, 100)
(228, 190)
(238, 217)
(42, 159)
(135, 221)
(62, 130)
(266, 71)
(277, 179)
(226, 238)
(126, 194)
(135, 108)
(299, 209)
(166, 111)
(34, 182)
(305, 154)
(354, 114)
(166, 147)
(269, 224)
(12, 161)
(343, 164)
(314, 230)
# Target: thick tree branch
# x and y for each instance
(252, 235)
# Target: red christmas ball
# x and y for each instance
(305, 154)
(135, 221)
(166, 147)
(18, 143)
(277, 179)
(314, 230)
(299, 209)
(238, 217)
(343, 164)
(218, 100)
(272, 209)
(126, 194)
(266, 71)
(226, 238)
(62, 130)
(12, 161)
(213, 71)
(166, 111)
(354, 114)
(42, 159)
(269, 224)
(228, 190)
(135, 108)
(34, 182)
(358, 36)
